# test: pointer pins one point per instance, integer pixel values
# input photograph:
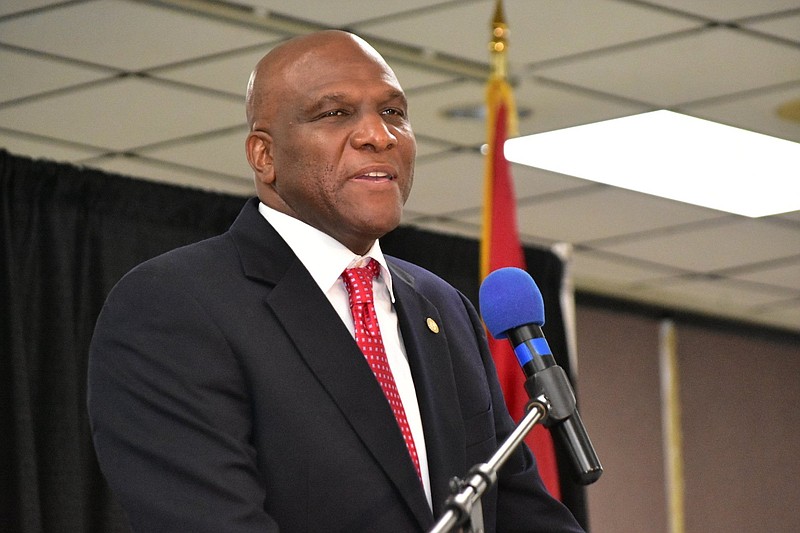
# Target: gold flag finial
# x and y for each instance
(499, 42)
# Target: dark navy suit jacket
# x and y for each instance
(226, 395)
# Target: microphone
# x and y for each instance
(512, 308)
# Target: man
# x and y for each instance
(227, 393)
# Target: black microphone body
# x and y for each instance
(545, 377)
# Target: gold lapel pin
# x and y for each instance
(432, 325)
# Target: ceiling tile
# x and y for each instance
(40, 149)
(228, 74)
(532, 183)
(794, 215)
(601, 212)
(696, 66)
(562, 107)
(339, 13)
(25, 75)
(617, 58)
(785, 315)
(222, 154)
(781, 275)
(141, 168)
(728, 10)
(551, 108)
(540, 29)
(453, 185)
(786, 27)
(412, 78)
(123, 114)
(446, 184)
(754, 112)
(705, 295)
(606, 274)
(126, 35)
(19, 6)
(735, 242)
(431, 148)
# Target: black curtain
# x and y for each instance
(68, 234)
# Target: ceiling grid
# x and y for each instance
(154, 89)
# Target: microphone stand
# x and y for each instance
(464, 506)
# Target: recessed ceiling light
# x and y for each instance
(674, 156)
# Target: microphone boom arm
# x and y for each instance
(464, 506)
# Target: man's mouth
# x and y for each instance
(375, 176)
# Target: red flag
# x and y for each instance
(501, 247)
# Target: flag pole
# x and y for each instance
(671, 426)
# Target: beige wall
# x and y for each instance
(740, 400)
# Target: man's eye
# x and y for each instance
(394, 111)
(334, 113)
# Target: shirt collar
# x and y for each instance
(324, 257)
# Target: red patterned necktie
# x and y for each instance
(358, 282)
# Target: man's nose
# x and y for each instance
(372, 131)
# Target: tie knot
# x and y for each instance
(358, 282)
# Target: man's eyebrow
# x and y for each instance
(320, 102)
(397, 95)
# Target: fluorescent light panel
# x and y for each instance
(674, 156)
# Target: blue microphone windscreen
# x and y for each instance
(510, 298)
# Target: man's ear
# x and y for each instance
(258, 147)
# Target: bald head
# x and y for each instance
(330, 141)
(266, 84)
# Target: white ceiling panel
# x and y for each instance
(450, 174)
(428, 147)
(20, 6)
(222, 153)
(781, 275)
(25, 75)
(729, 10)
(447, 184)
(583, 25)
(703, 65)
(786, 315)
(794, 215)
(416, 78)
(32, 147)
(550, 108)
(126, 35)
(533, 183)
(338, 13)
(228, 74)
(738, 241)
(174, 175)
(555, 107)
(704, 295)
(607, 274)
(124, 114)
(783, 27)
(427, 113)
(146, 90)
(755, 112)
(606, 212)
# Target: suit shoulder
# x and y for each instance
(192, 261)
(419, 275)
(426, 282)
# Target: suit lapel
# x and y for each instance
(431, 368)
(329, 351)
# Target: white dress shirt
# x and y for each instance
(325, 258)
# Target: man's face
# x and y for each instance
(342, 148)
